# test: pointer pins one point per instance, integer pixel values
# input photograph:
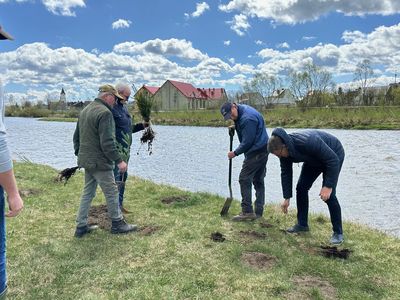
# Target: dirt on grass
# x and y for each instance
(173, 199)
(334, 252)
(253, 234)
(258, 260)
(265, 224)
(148, 230)
(29, 192)
(307, 286)
(98, 215)
(217, 237)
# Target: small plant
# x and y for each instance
(145, 104)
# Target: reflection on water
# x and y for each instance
(194, 158)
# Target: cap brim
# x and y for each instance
(119, 96)
(227, 116)
(5, 36)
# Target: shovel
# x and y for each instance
(228, 200)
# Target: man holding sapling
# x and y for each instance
(94, 144)
(123, 132)
(253, 138)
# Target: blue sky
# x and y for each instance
(80, 44)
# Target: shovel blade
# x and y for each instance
(225, 208)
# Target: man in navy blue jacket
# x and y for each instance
(253, 138)
(320, 152)
(123, 134)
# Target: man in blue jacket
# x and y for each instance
(253, 138)
(123, 134)
(320, 152)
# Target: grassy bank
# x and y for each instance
(338, 117)
(176, 259)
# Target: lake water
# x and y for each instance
(194, 158)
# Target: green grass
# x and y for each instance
(291, 117)
(338, 117)
(180, 261)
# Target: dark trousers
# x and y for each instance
(253, 172)
(120, 179)
(307, 177)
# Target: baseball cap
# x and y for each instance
(4, 35)
(226, 110)
(108, 88)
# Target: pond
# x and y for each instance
(194, 159)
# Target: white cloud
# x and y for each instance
(63, 7)
(200, 9)
(121, 23)
(381, 47)
(308, 38)
(172, 47)
(239, 24)
(38, 67)
(227, 43)
(293, 11)
(283, 45)
(258, 42)
(352, 36)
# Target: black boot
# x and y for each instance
(122, 227)
(81, 231)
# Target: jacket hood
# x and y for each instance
(287, 140)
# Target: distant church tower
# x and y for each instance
(63, 100)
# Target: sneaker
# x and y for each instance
(81, 231)
(336, 238)
(244, 217)
(297, 228)
(122, 227)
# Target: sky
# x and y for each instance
(79, 45)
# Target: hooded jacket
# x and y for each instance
(94, 137)
(315, 148)
(251, 131)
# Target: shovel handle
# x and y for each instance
(231, 134)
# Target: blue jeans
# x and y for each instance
(253, 172)
(3, 273)
(120, 179)
(307, 177)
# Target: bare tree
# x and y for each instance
(364, 74)
(263, 84)
(310, 84)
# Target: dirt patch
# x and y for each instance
(148, 230)
(173, 199)
(266, 225)
(334, 252)
(217, 237)
(258, 260)
(253, 234)
(29, 192)
(98, 215)
(305, 287)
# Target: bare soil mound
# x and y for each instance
(258, 260)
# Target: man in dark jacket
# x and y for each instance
(253, 138)
(94, 144)
(320, 152)
(123, 134)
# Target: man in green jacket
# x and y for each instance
(94, 144)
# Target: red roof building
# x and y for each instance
(176, 95)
